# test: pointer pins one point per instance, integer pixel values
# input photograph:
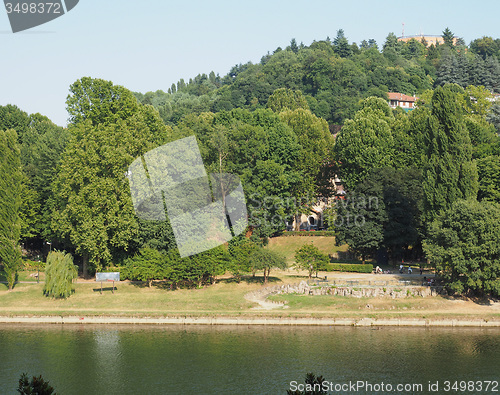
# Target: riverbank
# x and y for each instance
(247, 303)
(248, 321)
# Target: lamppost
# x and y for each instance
(50, 249)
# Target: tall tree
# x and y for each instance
(449, 173)
(10, 204)
(341, 45)
(365, 142)
(93, 207)
(448, 37)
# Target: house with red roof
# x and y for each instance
(404, 101)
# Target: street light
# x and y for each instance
(38, 274)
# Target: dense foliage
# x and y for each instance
(287, 126)
(333, 76)
(10, 204)
(463, 244)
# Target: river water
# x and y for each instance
(91, 359)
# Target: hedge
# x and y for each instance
(310, 233)
(350, 267)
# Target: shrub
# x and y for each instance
(147, 265)
(59, 275)
(348, 267)
(37, 385)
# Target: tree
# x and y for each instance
(310, 258)
(313, 162)
(489, 178)
(478, 100)
(449, 172)
(241, 248)
(147, 265)
(448, 37)
(99, 101)
(392, 47)
(463, 245)
(286, 99)
(448, 69)
(44, 143)
(265, 259)
(359, 222)
(493, 116)
(485, 47)
(11, 117)
(93, 208)
(341, 45)
(35, 386)
(10, 204)
(59, 275)
(365, 142)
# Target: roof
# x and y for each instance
(401, 97)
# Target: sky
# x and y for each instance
(146, 45)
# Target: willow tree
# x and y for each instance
(59, 275)
(10, 204)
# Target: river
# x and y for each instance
(93, 359)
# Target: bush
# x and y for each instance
(37, 385)
(59, 275)
(349, 267)
(147, 265)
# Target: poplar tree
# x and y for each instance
(450, 173)
(10, 204)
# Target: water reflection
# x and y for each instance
(86, 359)
(108, 358)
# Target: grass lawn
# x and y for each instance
(287, 245)
(227, 298)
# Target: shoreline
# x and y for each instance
(270, 321)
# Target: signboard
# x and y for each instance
(113, 276)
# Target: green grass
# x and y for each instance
(287, 245)
(226, 298)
